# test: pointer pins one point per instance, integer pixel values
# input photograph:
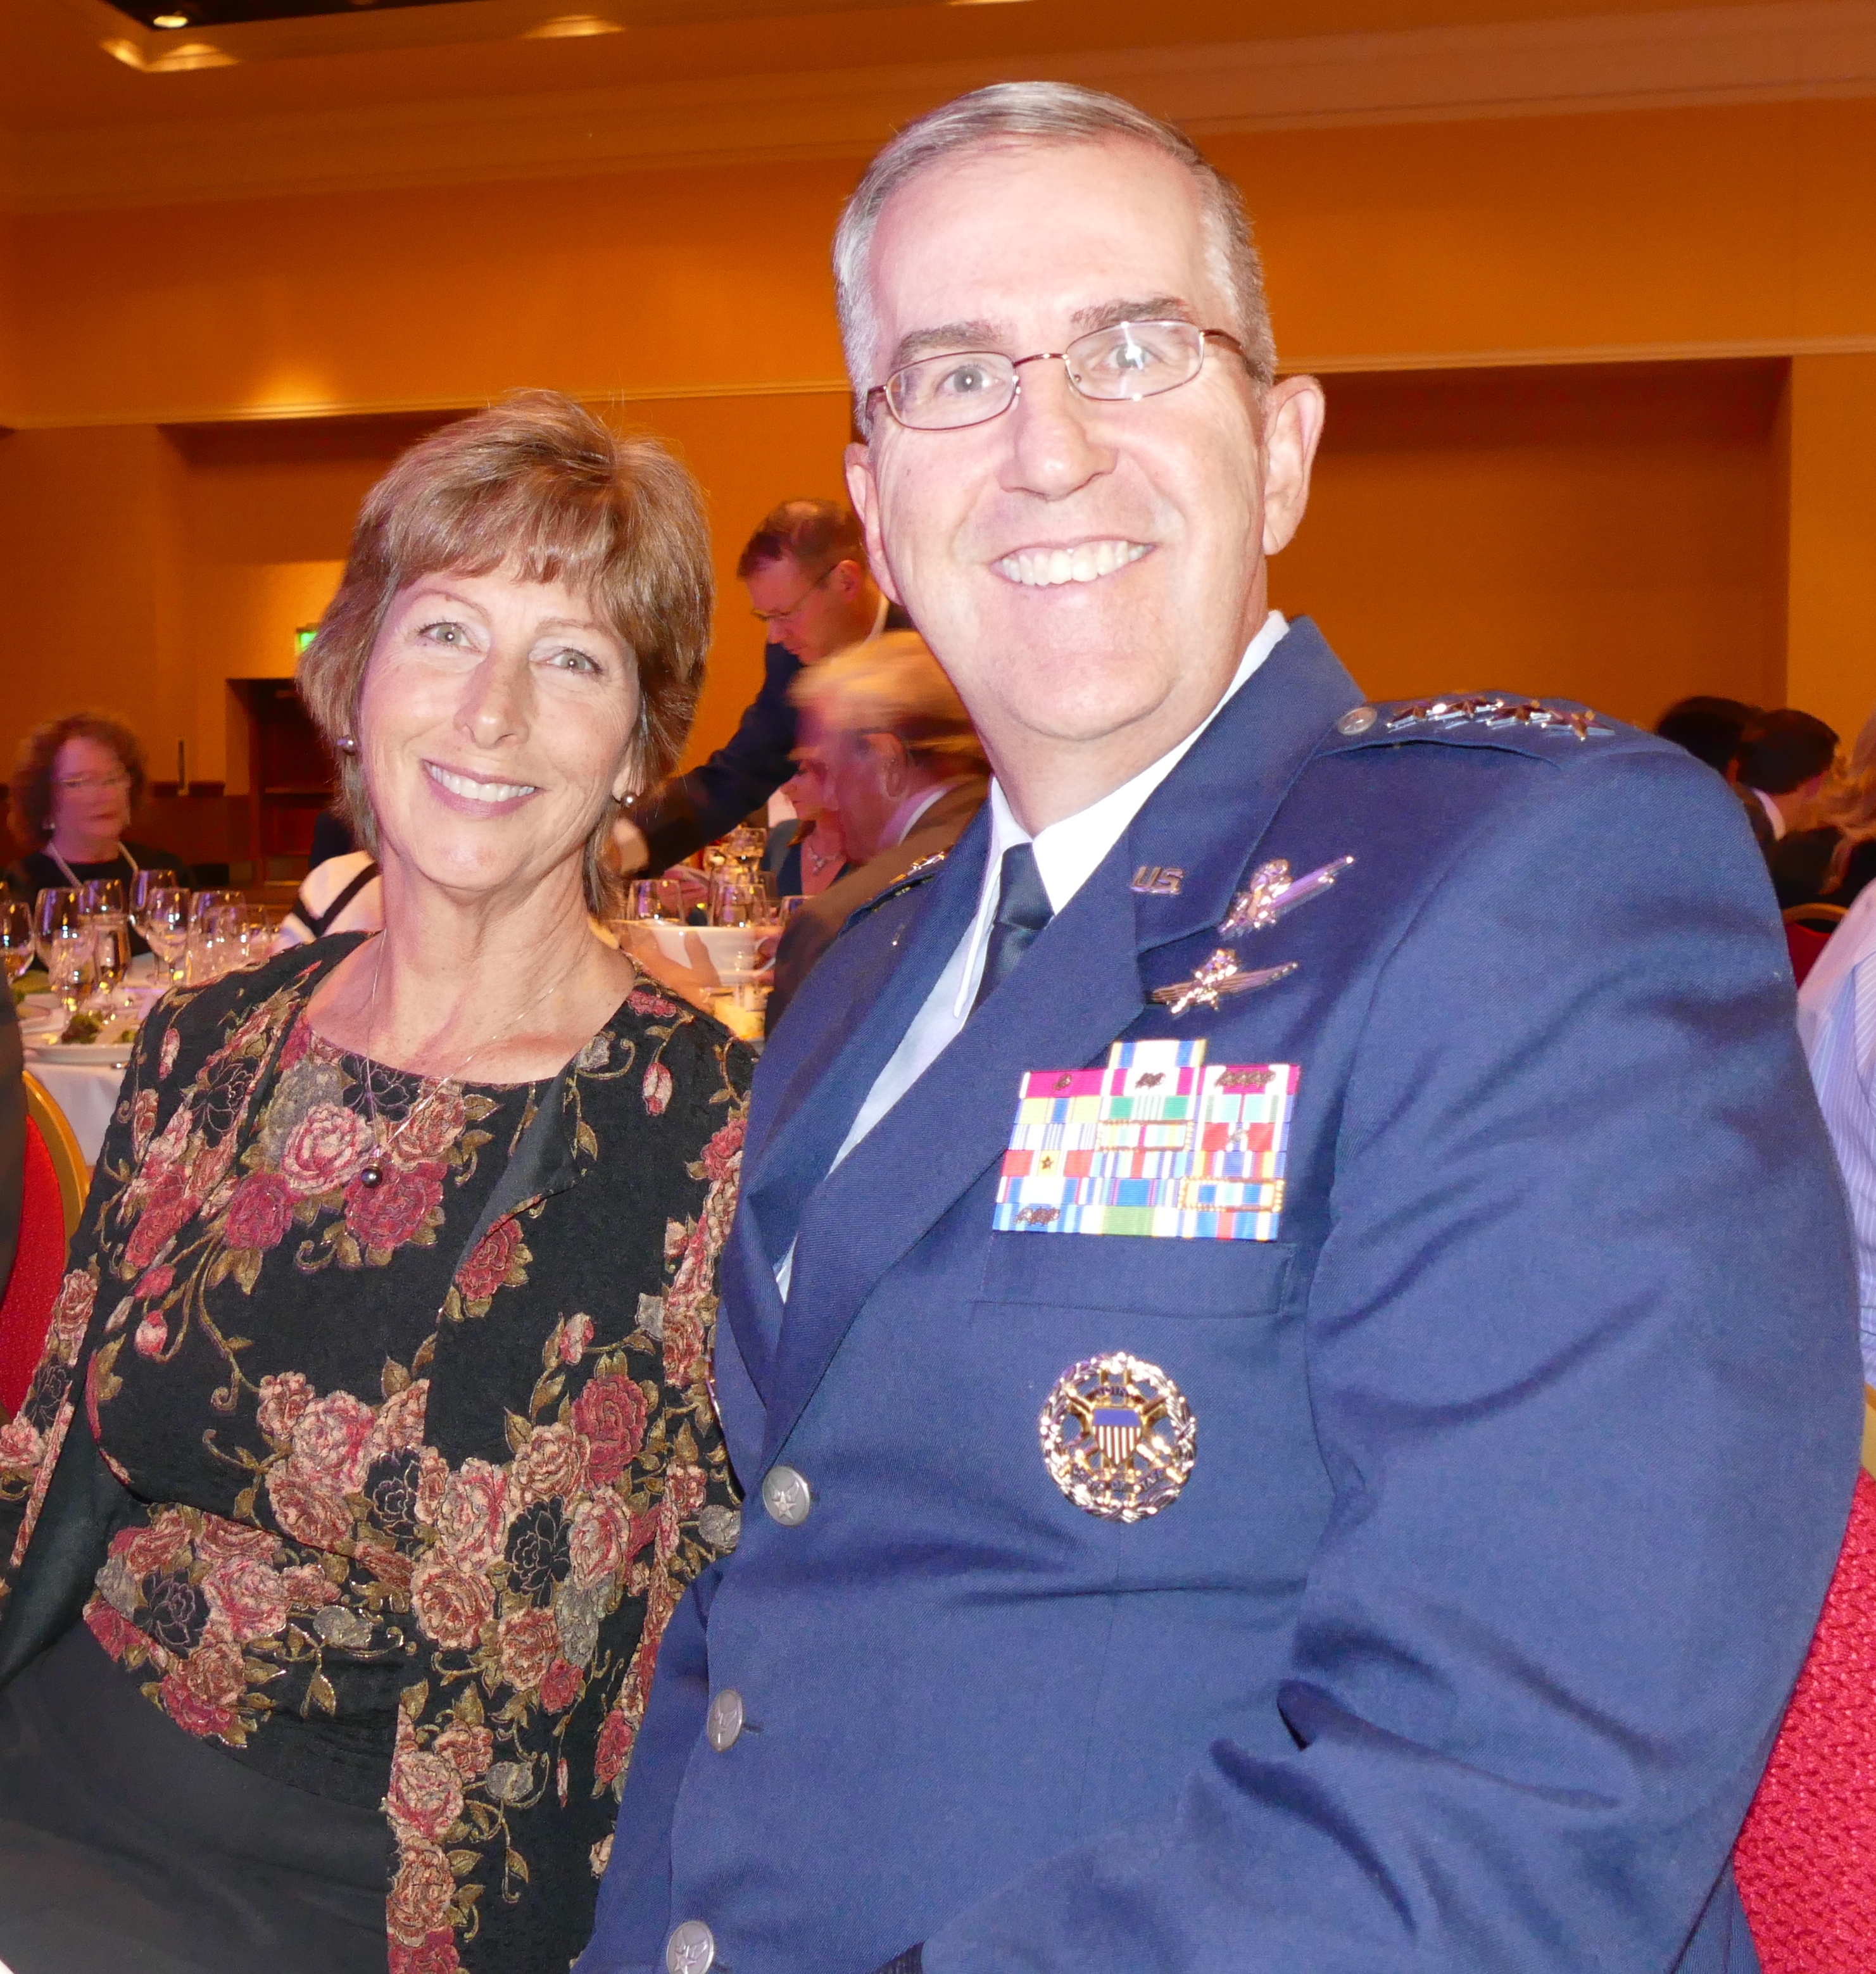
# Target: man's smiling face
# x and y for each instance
(1088, 573)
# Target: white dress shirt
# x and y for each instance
(1774, 814)
(1068, 853)
(1836, 1025)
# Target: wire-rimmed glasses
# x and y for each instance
(1119, 364)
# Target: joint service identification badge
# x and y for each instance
(1118, 1436)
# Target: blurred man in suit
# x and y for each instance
(1290, 1333)
(806, 570)
(898, 755)
(1708, 727)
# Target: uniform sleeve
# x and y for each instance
(697, 807)
(1582, 1365)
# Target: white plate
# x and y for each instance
(92, 1052)
(731, 948)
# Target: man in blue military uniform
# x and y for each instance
(1289, 1331)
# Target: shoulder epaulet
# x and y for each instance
(913, 875)
(1479, 717)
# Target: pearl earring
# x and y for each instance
(347, 745)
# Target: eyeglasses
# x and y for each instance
(772, 618)
(75, 785)
(970, 387)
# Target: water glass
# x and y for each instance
(214, 942)
(70, 966)
(650, 898)
(111, 955)
(163, 918)
(102, 898)
(202, 903)
(56, 907)
(16, 938)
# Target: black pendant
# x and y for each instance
(372, 1176)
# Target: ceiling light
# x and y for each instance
(170, 21)
(567, 27)
(175, 59)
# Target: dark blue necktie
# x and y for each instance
(1023, 909)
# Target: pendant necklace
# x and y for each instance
(371, 1174)
(817, 859)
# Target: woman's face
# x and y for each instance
(807, 789)
(494, 728)
(90, 792)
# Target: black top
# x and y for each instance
(1801, 868)
(331, 837)
(410, 1478)
(38, 871)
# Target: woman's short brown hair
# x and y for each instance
(537, 485)
(31, 801)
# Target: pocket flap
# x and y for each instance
(1133, 1271)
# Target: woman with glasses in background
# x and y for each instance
(75, 784)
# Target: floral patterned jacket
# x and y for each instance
(404, 1517)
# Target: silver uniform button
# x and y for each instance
(1357, 719)
(690, 1949)
(723, 1723)
(787, 1495)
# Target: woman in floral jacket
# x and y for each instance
(373, 1443)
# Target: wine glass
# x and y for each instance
(110, 956)
(16, 938)
(56, 906)
(202, 903)
(163, 919)
(102, 898)
(70, 965)
(734, 899)
(648, 898)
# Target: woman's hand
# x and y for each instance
(694, 978)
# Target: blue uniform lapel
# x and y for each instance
(1077, 988)
(816, 1076)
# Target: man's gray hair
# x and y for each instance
(1040, 113)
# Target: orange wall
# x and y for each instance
(1753, 224)
(1529, 532)
(1833, 538)
(1609, 532)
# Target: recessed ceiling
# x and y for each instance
(80, 65)
(171, 16)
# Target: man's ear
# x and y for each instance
(1294, 411)
(894, 762)
(863, 490)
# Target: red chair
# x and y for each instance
(1805, 1860)
(1804, 943)
(38, 1263)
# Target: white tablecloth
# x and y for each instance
(86, 1092)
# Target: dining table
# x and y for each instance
(83, 1082)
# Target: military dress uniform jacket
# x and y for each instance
(1521, 1454)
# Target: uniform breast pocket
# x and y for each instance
(1134, 1275)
